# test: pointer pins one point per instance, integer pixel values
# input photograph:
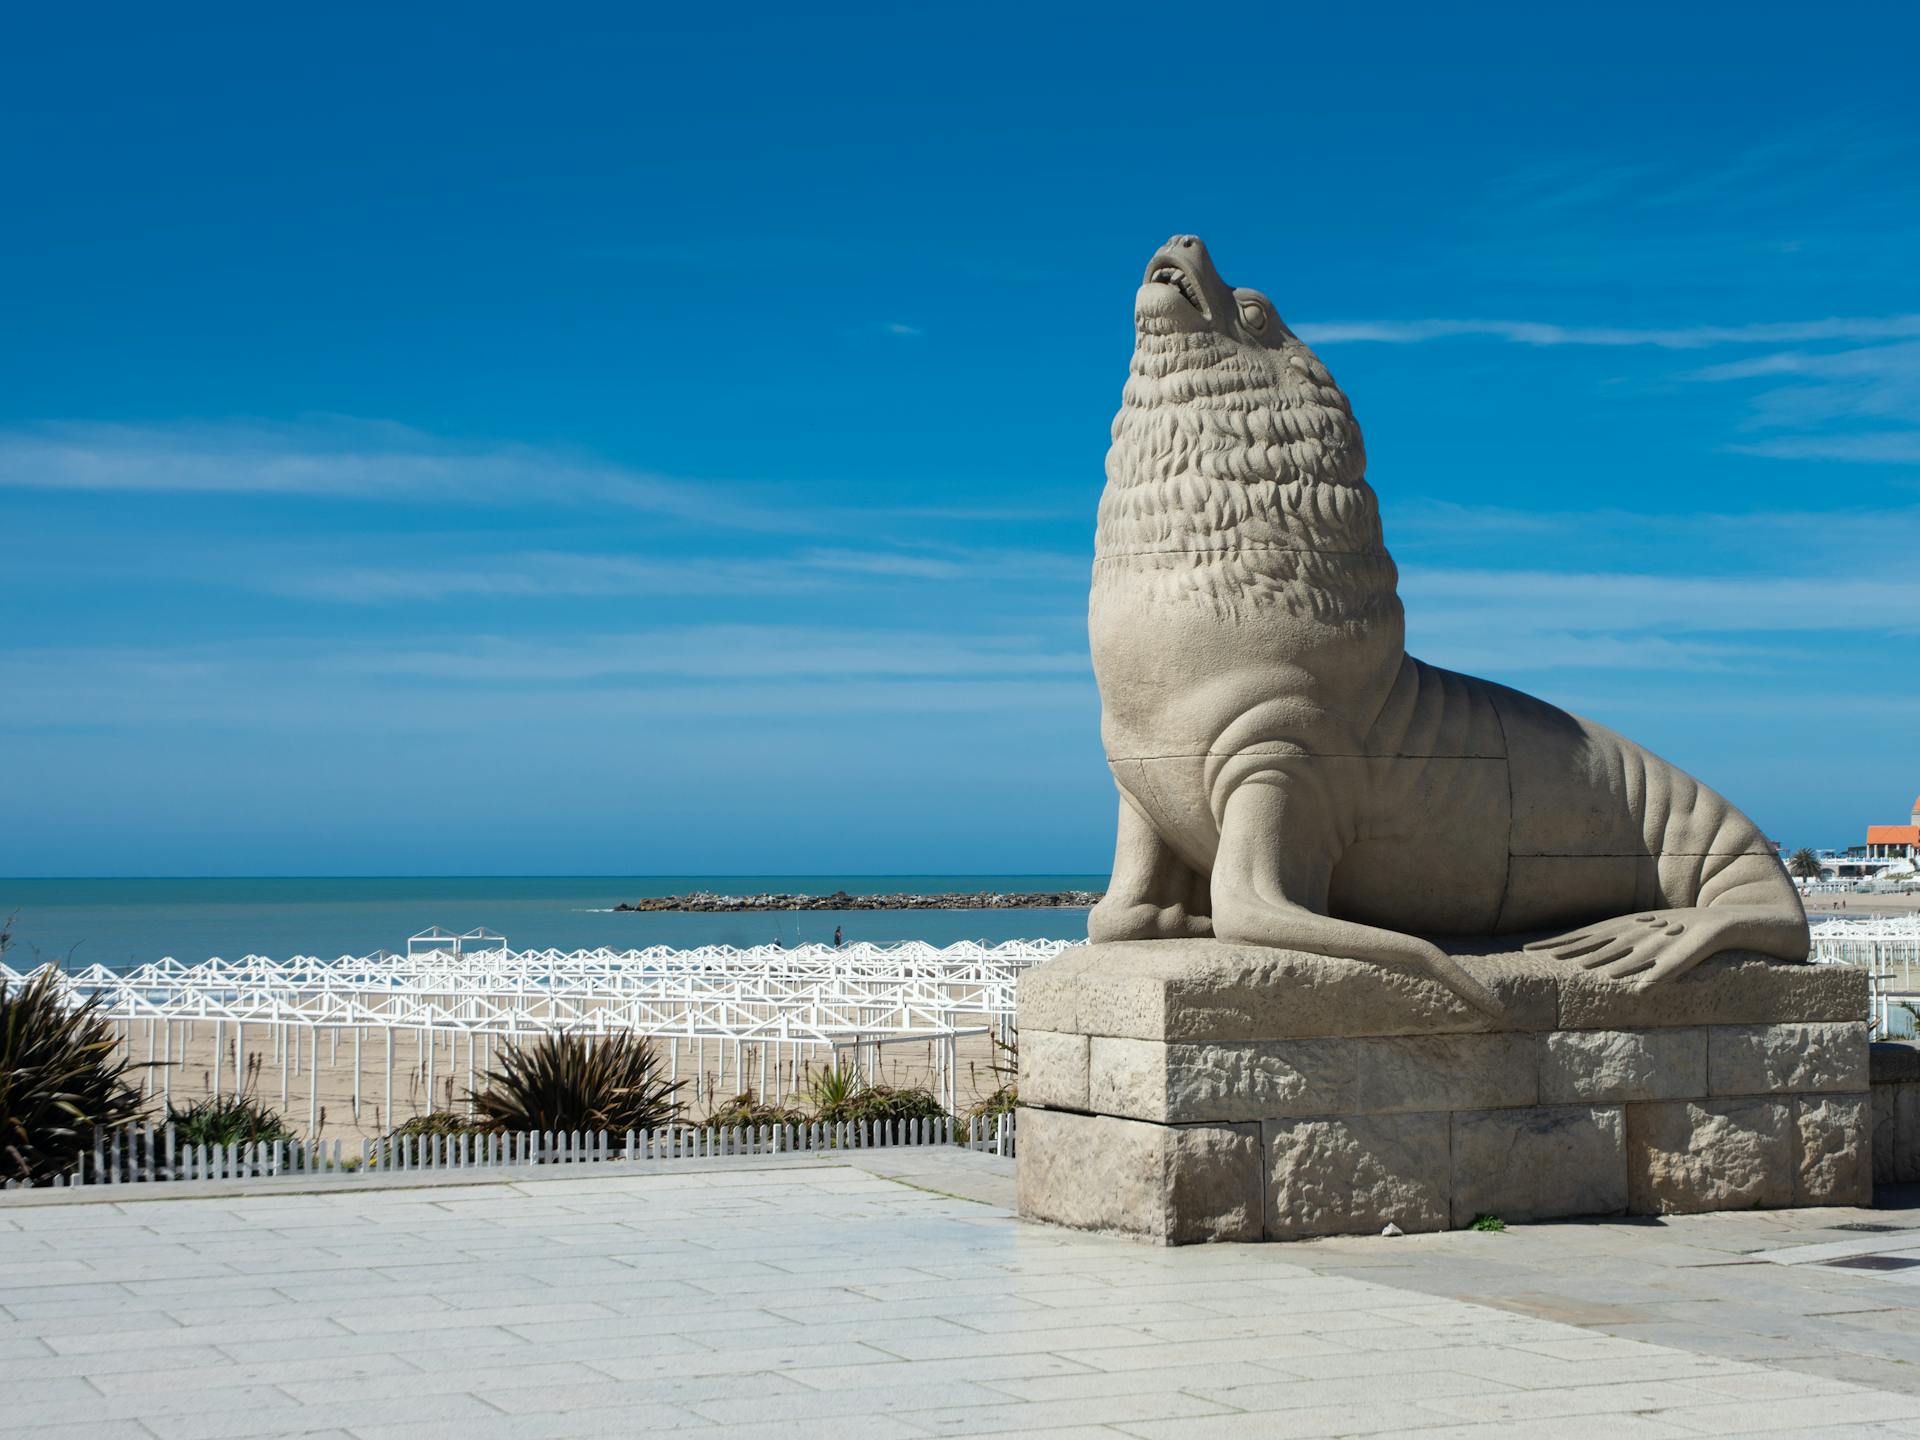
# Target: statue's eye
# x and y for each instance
(1253, 315)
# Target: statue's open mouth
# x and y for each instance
(1163, 271)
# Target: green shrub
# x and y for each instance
(881, 1103)
(1002, 1102)
(229, 1120)
(61, 1082)
(1488, 1223)
(748, 1109)
(561, 1082)
(437, 1122)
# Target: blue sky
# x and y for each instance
(610, 441)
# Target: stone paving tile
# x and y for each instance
(337, 1371)
(1048, 1416)
(615, 1423)
(49, 1390)
(997, 1372)
(328, 1388)
(1089, 1384)
(1572, 1427)
(860, 1400)
(1367, 1418)
(156, 1335)
(47, 1364)
(1757, 1417)
(957, 1342)
(1389, 1385)
(1564, 1401)
(684, 1391)
(153, 1410)
(239, 1424)
(1259, 1349)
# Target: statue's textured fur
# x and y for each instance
(1289, 775)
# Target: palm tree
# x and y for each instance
(1803, 864)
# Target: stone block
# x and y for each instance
(1356, 1174)
(1543, 1163)
(1447, 1072)
(1617, 1066)
(1893, 1062)
(1129, 1077)
(1774, 1059)
(1208, 991)
(1730, 989)
(1176, 1184)
(1053, 1069)
(1896, 1134)
(1182, 1082)
(1687, 1156)
(1833, 1152)
(1284, 1079)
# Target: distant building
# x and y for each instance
(1895, 842)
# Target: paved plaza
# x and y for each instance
(898, 1296)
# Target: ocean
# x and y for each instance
(124, 922)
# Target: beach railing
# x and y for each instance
(146, 1155)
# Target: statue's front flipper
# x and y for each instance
(1153, 895)
(1656, 945)
(1270, 888)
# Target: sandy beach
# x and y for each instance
(1862, 906)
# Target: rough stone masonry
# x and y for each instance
(1191, 1090)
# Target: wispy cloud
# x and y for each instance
(1513, 620)
(1680, 602)
(1898, 447)
(724, 652)
(351, 459)
(898, 327)
(532, 575)
(788, 674)
(1817, 392)
(1545, 333)
(536, 574)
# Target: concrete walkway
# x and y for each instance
(788, 1298)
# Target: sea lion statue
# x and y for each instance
(1289, 776)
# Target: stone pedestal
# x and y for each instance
(1189, 1090)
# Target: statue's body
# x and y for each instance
(1288, 774)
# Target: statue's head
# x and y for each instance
(1221, 386)
(1237, 472)
(1184, 295)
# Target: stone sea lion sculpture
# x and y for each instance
(1289, 776)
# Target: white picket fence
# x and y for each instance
(146, 1156)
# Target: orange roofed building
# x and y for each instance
(1895, 842)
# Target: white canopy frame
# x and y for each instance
(769, 1011)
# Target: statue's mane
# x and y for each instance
(1237, 477)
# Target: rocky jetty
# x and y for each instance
(706, 900)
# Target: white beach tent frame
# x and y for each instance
(770, 1012)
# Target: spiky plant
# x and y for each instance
(61, 1082)
(575, 1082)
(832, 1092)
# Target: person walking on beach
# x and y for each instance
(836, 937)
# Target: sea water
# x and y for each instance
(125, 922)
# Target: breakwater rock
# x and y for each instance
(706, 900)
